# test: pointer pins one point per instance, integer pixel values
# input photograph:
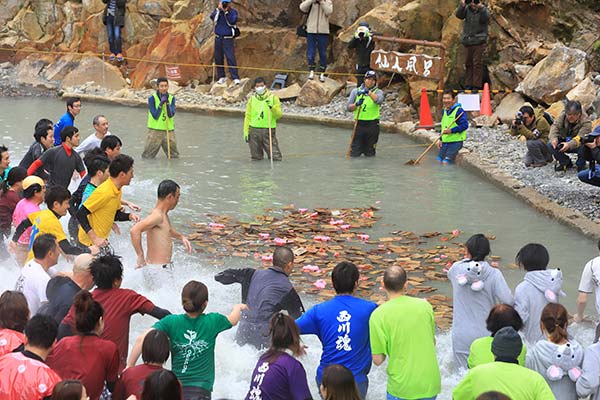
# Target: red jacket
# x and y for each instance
(10, 340)
(25, 378)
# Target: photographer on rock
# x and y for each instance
(591, 153)
(566, 134)
(474, 37)
(532, 128)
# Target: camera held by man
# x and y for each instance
(532, 127)
(591, 154)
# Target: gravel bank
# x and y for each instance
(506, 153)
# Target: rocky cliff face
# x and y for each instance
(522, 33)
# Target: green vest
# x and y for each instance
(160, 124)
(369, 110)
(259, 112)
(449, 123)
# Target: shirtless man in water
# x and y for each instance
(158, 229)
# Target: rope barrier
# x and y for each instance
(169, 63)
(173, 63)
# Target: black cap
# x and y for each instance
(507, 343)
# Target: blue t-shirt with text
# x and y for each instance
(342, 326)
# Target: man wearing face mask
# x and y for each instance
(364, 44)
(262, 112)
(225, 19)
(365, 101)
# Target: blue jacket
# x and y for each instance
(221, 27)
(463, 122)
(66, 120)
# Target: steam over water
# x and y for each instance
(217, 177)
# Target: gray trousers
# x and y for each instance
(258, 141)
(157, 139)
(537, 152)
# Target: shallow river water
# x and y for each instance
(216, 176)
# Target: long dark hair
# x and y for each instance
(555, 320)
(67, 390)
(87, 312)
(285, 334)
(161, 385)
(339, 383)
(15, 175)
(14, 311)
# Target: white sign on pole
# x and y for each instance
(469, 102)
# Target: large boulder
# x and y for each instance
(29, 72)
(27, 24)
(586, 92)
(509, 106)
(553, 77)
(237, 93)
(316, 93)
(93, 69)
(288, 92)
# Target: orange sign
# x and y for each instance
(407, 64)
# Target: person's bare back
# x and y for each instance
(159, 242)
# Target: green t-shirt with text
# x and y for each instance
(512, 380)
(481, 352)
(193, 346)
(404, 330)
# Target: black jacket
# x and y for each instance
(119, 12)
(363, 47)
(475, 30)
(266, 292)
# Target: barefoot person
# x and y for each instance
(158, 228)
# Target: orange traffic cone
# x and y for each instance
(425, 118)
(486, 103)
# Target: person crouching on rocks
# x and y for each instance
(454, 128)
(114, 19)
(591, 153)
(532, 128)
(566, 134)
(262, 112)
(365, 101)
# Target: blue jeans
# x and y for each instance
(564, 159)
(113, 34)
(448, 152)
(316, 41)
(590, 177)
(224, 49)
(390, 397)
